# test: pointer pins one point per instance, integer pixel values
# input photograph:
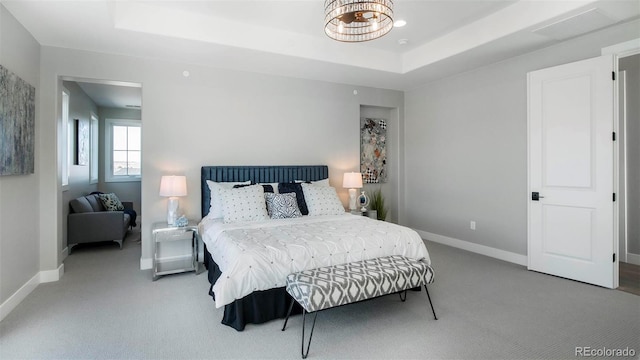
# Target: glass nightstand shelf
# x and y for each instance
(175, 249)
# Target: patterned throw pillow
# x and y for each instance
(244, 204)
(282, 206)
(111, 202)
(322, 200)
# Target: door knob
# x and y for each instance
(535, 196)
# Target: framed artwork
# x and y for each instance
(17, 124)
(373, 150)
(82, 142)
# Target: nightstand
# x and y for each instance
(369, 213)
(175, 249)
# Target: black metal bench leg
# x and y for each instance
(430, 303)
(403, 299)
(304, 312)
(288, 314)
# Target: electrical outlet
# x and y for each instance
(472, 225)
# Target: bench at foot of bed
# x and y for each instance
(336, 285)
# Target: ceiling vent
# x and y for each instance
(575, 25)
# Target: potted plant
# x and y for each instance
(377, 204)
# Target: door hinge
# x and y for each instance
(614, 196)
(614, 257)
(613, 75)
(614, 136)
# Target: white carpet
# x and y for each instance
(106, 308)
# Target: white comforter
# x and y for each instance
(259, 255)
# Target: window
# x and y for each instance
(123, 153)
(65, 140)
(93, 164)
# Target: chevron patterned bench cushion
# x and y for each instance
(336, 285)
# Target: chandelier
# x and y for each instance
(357, 20)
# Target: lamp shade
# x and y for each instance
(352, 180)
(172, 185)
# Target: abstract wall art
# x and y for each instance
(17, 124)
(81, 130)
(373, 150)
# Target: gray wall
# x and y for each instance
(126, 191)
(631, 65)
(215, 117)
(19, 202)
(466, 145)
(80, 107)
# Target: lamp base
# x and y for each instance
(172, 210)
(352, 199)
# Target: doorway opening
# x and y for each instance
(629, 173)
(99, 153)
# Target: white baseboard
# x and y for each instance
(18, 296)
(146, 263)
(51, 275)
(633, 258)
(476, 248)
(26, 289)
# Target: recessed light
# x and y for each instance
(403, 41)
(185, 73)
(399, 23)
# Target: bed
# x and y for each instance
(248, 261)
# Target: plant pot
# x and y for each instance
(372, 214)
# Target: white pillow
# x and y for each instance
(322, 200)
(244, 204)
(323, 182)
(215, 206)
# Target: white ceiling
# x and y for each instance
(287, 38)
(113, 96)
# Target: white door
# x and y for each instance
(571, 167)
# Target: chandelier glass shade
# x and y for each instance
(357, 20)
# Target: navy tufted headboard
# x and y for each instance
(257, 174)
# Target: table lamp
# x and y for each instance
(352, 181)
(173, 186)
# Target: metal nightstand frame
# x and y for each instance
(162, 227)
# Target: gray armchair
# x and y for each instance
(89, 221)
